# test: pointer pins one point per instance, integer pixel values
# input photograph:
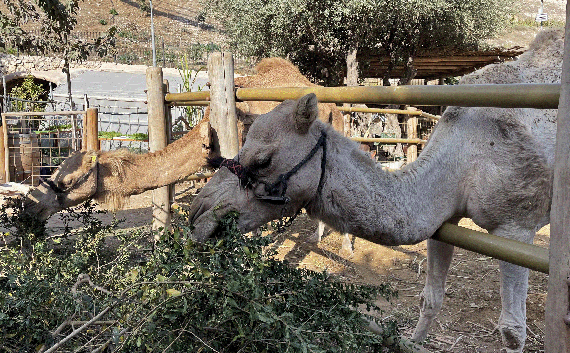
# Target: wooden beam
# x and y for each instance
(557, 310)
(6, 150)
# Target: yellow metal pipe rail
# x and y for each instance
(389, 111)
(187, 96)
(380, 110)
(543, 96)
(190, 103)
(388, 140)
(518, 253)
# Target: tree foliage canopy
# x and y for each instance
(317, 35)
(55, 20)
(46, 26)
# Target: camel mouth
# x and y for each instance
(33, 209)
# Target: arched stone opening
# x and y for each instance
(16, 79)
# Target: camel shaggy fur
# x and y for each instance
(492, 165)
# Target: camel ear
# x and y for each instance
(307, 111)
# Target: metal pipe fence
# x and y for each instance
(542, 96)
(535, 95)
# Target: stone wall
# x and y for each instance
(10, 64)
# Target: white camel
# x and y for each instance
(492, 165)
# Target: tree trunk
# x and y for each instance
(68, 80)
(389, 68)
(351, 80)
(409, 71)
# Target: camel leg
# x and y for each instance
(318, 235)
(439, 257)
(512, 322)
(346, 245)
(514, 287)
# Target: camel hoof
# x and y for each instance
(346, 249)
(511, 340)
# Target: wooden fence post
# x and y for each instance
(2, 156)
(157, 138)
(412, 153)
(6, 163)
(223, 116)
(168, 121)
(91, 130)
(557, 310)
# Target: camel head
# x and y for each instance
(278, 171)
(72, 183)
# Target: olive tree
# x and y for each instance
(319, 35)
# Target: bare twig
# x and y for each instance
(455, 343)
(84, 278)
(95, 337)
(77, 331)
(104, 345)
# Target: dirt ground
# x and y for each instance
(472, 303)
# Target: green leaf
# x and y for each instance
(173, 292)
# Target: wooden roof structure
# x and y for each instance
(439, 65)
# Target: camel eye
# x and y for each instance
(66, 183)
(262, 164)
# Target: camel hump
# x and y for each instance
(269, 65)
(279, 72)
(545, 41)
(541, 63)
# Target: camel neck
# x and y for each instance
(148, 171)
(401, 207)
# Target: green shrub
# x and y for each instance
(29, 90)
(109, 134)
(225, 295)
(139, 136)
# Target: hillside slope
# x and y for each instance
(175, 21)
(183, 21)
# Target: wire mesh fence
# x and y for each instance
(35, 143)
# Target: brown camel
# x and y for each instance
(493, 165)
(111, 177)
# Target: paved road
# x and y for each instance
(121, 84)
(104, 87)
